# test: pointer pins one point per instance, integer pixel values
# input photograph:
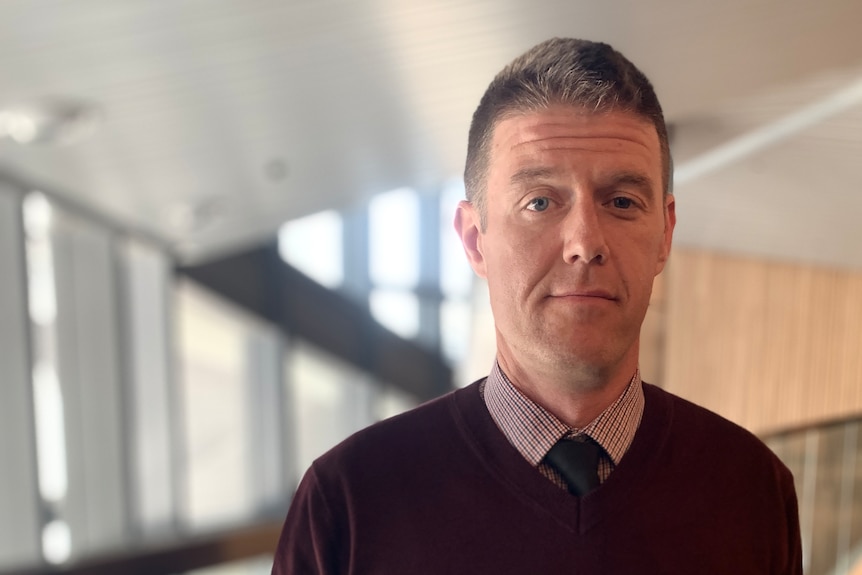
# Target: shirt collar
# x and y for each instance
(533, 430)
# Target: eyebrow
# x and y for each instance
(532, 174)
(619, 179)
(629, 179)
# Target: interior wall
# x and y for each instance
(767, 345)
(652, 342)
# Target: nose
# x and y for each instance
(584, 237)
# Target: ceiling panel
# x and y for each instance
(256, 111)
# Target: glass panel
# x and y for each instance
(271, 458)
(314, 246)
(798, 451)
(393, 227)
(846, 507)
(483, 345)
(827, 501)
(455, 329)
(48, 404)
(331, 400)
(19, 523)
(828, 471)
(147, 275)
(76, 382)
(854, 499)
(392, 401)
(217, 394)
(396, 310)
(86, 388)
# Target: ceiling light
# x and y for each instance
(49, 122)
(194, 215)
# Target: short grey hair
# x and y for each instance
(578, 73)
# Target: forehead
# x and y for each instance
(561, 132)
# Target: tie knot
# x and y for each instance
(577, 461)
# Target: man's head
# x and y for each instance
(566, 71)
(570, 218)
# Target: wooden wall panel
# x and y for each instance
(768, 345)
(652, 342)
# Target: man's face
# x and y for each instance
(577, 228)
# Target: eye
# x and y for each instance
(539, 204)
(623, 202)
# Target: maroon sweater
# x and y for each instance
(439, 490)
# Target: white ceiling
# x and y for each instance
(223, 118)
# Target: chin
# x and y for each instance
(592, 369)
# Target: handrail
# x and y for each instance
(189, 553)
(822, 423)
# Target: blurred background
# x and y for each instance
(226, 244)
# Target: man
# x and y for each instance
(562, 460)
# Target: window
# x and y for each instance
(313, 245)
(19, 521)
(397, 310)
(211, 349)
(456, 281)
(331, 400)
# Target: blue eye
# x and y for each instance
(539, 204)
(623, 203)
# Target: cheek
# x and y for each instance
(513, 276)
(520, 260)
(517, 252)
(648, 245)
(637, 259)
(648, 268)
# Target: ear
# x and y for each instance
(669, 224)
(468, 226)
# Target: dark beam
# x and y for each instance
(259, 281)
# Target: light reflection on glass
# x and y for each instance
(50, 436)
(393, 228)
(57, 542)
(396, 310)
(313, 245)
(47, 392)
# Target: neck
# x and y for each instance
(575, 396)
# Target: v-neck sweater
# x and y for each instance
(439, 490)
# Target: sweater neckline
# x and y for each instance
(579, 514)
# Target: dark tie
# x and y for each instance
(578, 463)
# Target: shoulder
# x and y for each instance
(700, 432)
(751, 487)
(695, 419)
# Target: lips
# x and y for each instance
(586, 293)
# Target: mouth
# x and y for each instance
(585, 295)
